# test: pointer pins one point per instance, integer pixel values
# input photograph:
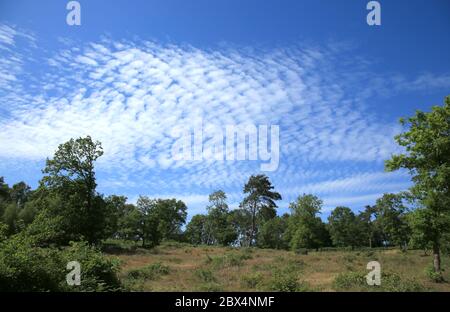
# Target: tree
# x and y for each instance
(305, 228)
(369, 229)
(128, 223)
(218, 229)
(11, 218)
(4, 190)
(171, 214)
(272, 233)
(195, 230)
(116, 207)
(345, 228)
(20, 193)
(149, 226)
(427, 158)
(420, 220)
(70, 174)
(4, 199)
(241, 221)
(260, 202)
(390, 213)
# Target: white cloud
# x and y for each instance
(131, 95)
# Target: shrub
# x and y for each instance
(349, 280)
(301, 251)
(98, 273)
(25, 267)
(390, 282)
(150, 272)
(205, 275)
(252, 280)
(433, 275)
(211, 287)
(286, 282)
(229, 260)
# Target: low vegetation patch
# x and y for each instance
(150, 272)
(390, 282)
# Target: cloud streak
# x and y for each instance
(131, 95)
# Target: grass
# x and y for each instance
(180, 267)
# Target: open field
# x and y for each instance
(179, 267)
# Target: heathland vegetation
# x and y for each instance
(65, 219)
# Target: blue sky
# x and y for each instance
(132, 72)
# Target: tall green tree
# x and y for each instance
(390, 213)
(370, 231)
(20, 193)
(218, 229)
(171, 214)
(305, 228)
(4, 190)
(149, 223)
(345, 228)
(70, 174)
(426, 156)
(196, 230)
(272, 233)
(241, 221)
(259, 202)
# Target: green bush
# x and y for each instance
(286, 282)
(229, 260)
(349, 280)
(301, 251)
(150, 272)
(205, 275)
(390, 282)
(211, 287)
(25, 267)
(252, 280)
(432, 275)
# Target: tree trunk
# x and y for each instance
(252, 237)
(436, 257)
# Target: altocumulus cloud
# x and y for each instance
(131, 94)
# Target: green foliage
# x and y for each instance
(205, 275)
(391, 282)
(70, 175)
(305, 228)
(25, 267)
(391, 219)
(286, 282)
(241, 221)
(228, 260)
(252, 280)
(348, 280)
(171, 214)
(434, 276)
(98, 273)
(218, 229)
(427, 158)
(345, 228)
(260, 204)
(150, 272)
(149, 230)
(196, 230)
(272, 233)
(301, 251)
